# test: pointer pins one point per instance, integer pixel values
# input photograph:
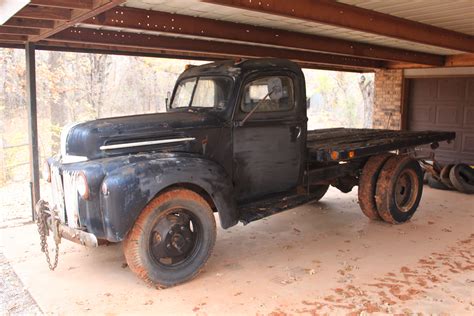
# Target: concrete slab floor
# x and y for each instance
(320, 258)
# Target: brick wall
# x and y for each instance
(388, 99)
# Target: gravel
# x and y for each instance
(14, 211)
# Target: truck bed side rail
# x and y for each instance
(342, 144)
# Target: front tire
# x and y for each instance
(172, 238)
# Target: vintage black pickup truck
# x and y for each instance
(234, 141)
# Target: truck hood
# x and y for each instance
(174, 131)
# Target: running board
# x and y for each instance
(257, 210)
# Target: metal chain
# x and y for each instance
(43, 232)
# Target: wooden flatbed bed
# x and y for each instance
(339, 144)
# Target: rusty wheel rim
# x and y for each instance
(406, 189)
(175, 238)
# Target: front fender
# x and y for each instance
(128, 189)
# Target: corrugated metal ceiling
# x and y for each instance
(437, 13)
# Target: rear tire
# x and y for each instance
(172, 238)
(368, 183)
(399, 189)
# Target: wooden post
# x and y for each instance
(32, 124)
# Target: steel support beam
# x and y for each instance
(355, 18)
(159, 53)
(185, 25)
(32, 123)
(102, 37)
(131, 51)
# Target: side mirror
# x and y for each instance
(167, 101)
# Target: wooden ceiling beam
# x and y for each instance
(79, 15)
(13, 38)
(44, 13)
(177, 24)
(460, 60)
(355, 18)
(18, 30)
(20, 22)
(91, 36)
(68, 4)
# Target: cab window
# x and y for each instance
(203, 92)
(268, 94)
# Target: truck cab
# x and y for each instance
(233, 141)
(250, 146)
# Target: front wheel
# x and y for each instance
(172, 238)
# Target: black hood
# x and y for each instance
(96, 139)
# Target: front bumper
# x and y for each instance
(61, 230)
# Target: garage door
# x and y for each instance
(444, 104)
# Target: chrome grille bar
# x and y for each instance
(65, 197)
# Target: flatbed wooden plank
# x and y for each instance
(366, 142)
(348, 136)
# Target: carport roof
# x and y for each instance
(358, 35)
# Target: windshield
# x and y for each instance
(202, 92)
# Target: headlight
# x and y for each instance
(46, 171)
(82, 185)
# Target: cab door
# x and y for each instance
(268, 144)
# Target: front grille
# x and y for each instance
(65, 197)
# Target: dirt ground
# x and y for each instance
(317, 259)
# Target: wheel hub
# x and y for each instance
(180, 239)
(405, 191)
(173, 239)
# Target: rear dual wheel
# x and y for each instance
(399, 189)
(368, 185)
(390, 188)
